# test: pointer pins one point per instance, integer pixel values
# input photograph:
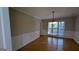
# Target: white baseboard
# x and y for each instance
(77, 41)
(23, 39)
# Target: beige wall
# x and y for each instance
(77, 24)
(24, 28)
(22, 23)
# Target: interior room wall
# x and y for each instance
(24, 28)
(69, 26)
(76, 34)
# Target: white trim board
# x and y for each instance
(76, 37)
(67, 34)
(5, 26)
(23, 39)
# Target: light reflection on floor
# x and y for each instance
(56, 43)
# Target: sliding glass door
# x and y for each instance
(56, 28)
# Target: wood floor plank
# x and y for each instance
(45, 43)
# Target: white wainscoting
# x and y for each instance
(23, 39)
(76, 37)
(44, 32)
(67, 34)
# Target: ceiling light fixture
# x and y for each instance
(53, 14)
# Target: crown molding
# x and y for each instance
(23, 11)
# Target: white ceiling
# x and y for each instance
(46, 12)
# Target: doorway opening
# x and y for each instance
(56, 28)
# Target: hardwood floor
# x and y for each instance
(45, 43)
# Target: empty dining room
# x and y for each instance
(40, 29)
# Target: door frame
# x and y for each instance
(5, 29)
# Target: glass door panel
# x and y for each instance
(56, 28)
(61, 29)
(50, 29)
